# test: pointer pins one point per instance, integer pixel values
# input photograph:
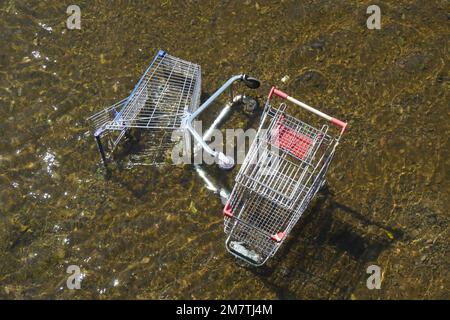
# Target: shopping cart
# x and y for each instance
(159, 113)
(281, 173)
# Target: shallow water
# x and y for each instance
(157, 232)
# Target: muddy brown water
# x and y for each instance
(156, 233)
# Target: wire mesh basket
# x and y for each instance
(283, 157)
(283, 170)
(163, 98)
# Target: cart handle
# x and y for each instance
(281, 94)
(224, 161)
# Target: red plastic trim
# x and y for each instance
(294, 142)
(275, 91)
(227, 210)
(339, 123)
(279, 93)
(278, 237)
(271, 93)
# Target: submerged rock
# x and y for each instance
(310, 79)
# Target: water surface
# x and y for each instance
(156, 233)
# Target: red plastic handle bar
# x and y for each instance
(275, 91)
(339, 123)
(281, 94)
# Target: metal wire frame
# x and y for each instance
(275, 171)
(275, 185)
(317, 183)
(105, 116)
(256, 220)
(100, 119)
(169, 89)
(163, 98)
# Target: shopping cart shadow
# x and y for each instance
(325, 256)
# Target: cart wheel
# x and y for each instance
(225, 163)
(250, 104)
(251, 82)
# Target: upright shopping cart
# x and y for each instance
(283, 170)
(159, 112)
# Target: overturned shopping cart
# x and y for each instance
(159, 113)
(283, 170)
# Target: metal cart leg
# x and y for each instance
(100, 148)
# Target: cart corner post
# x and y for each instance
(97, 136)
